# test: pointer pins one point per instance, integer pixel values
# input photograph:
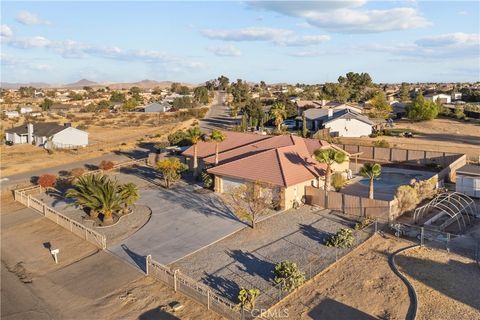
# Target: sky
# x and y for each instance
(274, 41)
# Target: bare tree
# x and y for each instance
(252, 200)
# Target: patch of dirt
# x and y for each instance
(20, 271)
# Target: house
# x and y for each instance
(284, 162)
(439, 97)
(12, 114)
(48, 135)
(456, 96)
(25, 110)
(468, 180)
(157, 107)
(342, 122)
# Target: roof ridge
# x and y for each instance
(284, 178)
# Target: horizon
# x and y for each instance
(275, 41)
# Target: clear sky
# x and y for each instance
(274, 41)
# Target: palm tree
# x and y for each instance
(217, 136)
(329, 157)
(195, 136)
(279, 113)
(109, 198)
(371, 171)
(84, 192)
(129, 194)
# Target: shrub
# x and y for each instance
(288, 274)
(77, 172)
(342, 239)
(47, 180)
(338, 181)
(178, 138)
(381, 143)
(247, 297)
(407, 199)
(207, 180)
(106, 165)
(425, 188)
(364, 223)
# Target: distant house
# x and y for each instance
(468, 180)
(439, 97)
(456, 96)
(342, 122)
(48, 135)
(25, 110)
(284, 162)
(157, 107)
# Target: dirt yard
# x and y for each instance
(446, 135)
(448, 285)
(361, 286)
(82, 285)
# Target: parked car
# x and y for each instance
(290, 124)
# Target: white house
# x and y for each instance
(157, 107)
(342, 123)
(48, 135)
(456, 96)
(440, 97)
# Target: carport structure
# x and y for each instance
(448, 208)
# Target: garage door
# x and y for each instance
(228, 184)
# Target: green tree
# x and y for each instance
(129, 194)
(200, 95)
(195, 135)
(247, 298)
(130, 104)
(117, 96)
(278, 113)
(329, 156)
(288, 274)
(103, 105)
(304, 126)
(178, 138)
(171, 169)
(371, 171)
(381, 107)
(83, 192)
(223, 83)
(404, 92)
(46, 104)
(182, 103)
(421, 109)
(217, 136)
(109, 198)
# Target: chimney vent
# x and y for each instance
(30, 133)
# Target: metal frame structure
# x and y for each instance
(458, 206)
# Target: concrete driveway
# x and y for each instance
(182, 222)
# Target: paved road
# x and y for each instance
(182, 222)
(218, 116)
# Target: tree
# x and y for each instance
(129, 194)
(278, 113)
(380, 105)
(371, 171)
(195, 136)
(178, 138)
(109, 199)
(117, 96)
(130, 104)
(103, 105)
(182, 103)
(47, 180)
(404, 92)
(46, 104)
(288, 274)
(329, 157)
(335, 91)
(251, 200)
(247, 297)
(421, 109)
(217, 136)
(200, 95)
(171, 169)
(223, 82)
(304, 126)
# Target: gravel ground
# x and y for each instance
(247, 258)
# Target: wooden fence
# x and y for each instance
(24, 197)
(193, 289)
(350, 204)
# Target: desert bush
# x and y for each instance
(178, 138)
(247, 298)
(381, 143)
(77, 172)
(407, 198)
(106, 165)
(338, 181)
(207, 180)
(342, 239)
(47, 180)
(425, 189)
(364, 223)
(288, 274)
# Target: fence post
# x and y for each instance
(44, 209)
(175, 280)
(147, 264)
(448, 242)
(28, 201)
(421, 236)
(86, 234)
(376, 227)
(208, 299)
(71, 226)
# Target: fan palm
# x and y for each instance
(279, 113)
(217, 136)
(329, 157)
(195, 136)
(129, 194)
(371, 171)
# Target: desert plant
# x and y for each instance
(364, 223)
(381, 143)
(77, 172)
(338, 181)
(47, 180)
(109, 199)
(207, 180)
(129, 194)
(407, 198)
(171, 169)
(371, 171)
(278, 112)
(288, 274)
(106, 165)
(425, 188)
(329, 157)
(84, 192)
(217, 136)
(247, 297)
(342, 239)
(195, 136)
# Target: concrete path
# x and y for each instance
(182, 222)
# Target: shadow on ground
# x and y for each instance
(330, 309)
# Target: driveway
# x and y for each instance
(182, 222)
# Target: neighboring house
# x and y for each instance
(65, 108)
(439, 97)
(48, 135)
(12, 114)
(285, 162)
(25, 110)
(468, 180)
(342, 123)
(157, 107)
(456, 96)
